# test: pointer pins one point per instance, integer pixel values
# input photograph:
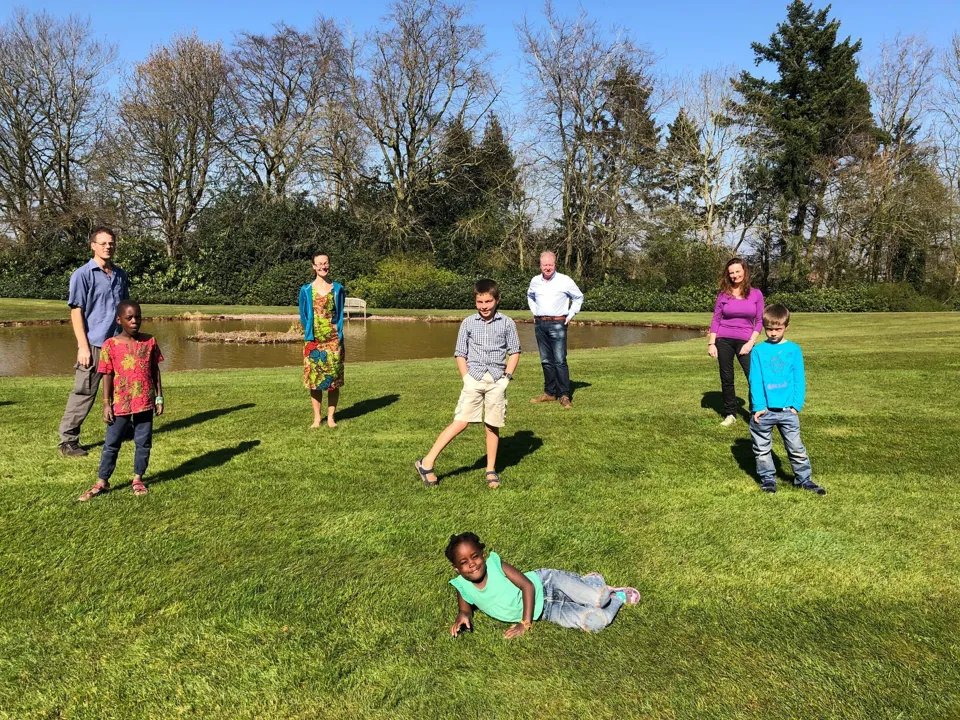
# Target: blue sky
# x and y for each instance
(689, 34)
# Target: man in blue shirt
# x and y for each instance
(95, 291)
(778, 389)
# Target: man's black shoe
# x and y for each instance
(72, 449)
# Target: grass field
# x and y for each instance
(278, 572)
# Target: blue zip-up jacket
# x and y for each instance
(777, 379)
(306, 310)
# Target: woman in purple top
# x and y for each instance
(737, 320)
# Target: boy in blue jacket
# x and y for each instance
(777, 391)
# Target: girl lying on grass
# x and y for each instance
(504, 593)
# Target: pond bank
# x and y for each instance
(244, 317)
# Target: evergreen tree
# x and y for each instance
(812, 116)
(682, 163)
(498, 177)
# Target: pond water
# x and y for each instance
(51, 349)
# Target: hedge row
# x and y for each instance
(415, 283)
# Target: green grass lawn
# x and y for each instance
(277, 572)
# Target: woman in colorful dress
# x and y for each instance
(321, 314)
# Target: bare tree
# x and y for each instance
(589, 92)
(53, 110)
(171, 113)
(407, 82)
(280, 87)
(948, 142)
(901, 84)
(705, 100)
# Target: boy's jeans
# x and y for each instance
(573, 601)
(788, 423)
(552, 342)
(142, 437)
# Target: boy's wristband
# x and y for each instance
(158, 400)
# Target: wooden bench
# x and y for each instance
(354, 305)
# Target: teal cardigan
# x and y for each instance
(306, 310)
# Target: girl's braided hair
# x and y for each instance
(457, 540)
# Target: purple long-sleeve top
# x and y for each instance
(738, 319)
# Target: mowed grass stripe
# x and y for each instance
(279, 572)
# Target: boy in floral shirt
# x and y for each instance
(130, 365)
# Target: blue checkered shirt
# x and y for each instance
(486, 345)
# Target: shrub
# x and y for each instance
(625, 297)
(889, 297)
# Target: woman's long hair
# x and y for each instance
(726, 286)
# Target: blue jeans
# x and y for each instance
(573, 601)
(142, 437)
(552, 342)
(788, 423)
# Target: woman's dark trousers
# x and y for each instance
(727, 350)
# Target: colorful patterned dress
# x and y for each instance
(322, 356)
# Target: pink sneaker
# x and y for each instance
(630, 596)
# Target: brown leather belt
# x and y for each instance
(548, 318)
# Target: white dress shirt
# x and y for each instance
(554, 297)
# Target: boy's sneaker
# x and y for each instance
(769, 486)
(811, 486)
(72, 449)
(728, 420)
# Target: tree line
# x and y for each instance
(219, 163)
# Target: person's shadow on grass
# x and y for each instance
(713, 400)
(511, 451)
(200, 417)
(742, 451)
(7, 402)
(211, 459)
(363, 407)
(575, 385)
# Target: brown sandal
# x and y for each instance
(139, 488)
(101, 486)
(493, 480)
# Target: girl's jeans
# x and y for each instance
(142, 437)
(573, 601)
(788, 423)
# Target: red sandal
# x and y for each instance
(139, 488)
(101, 486)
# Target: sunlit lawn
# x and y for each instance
(278, 572)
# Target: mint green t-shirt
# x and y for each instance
(500, 598)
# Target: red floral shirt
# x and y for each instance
(132, 366)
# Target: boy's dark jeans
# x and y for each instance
(142, 423)
(727, 350)
(552, 342)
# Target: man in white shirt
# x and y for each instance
(554, 299)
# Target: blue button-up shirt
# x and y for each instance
(486, 345)
(98, 295)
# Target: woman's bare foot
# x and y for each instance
(316, 423)
(331, 423)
